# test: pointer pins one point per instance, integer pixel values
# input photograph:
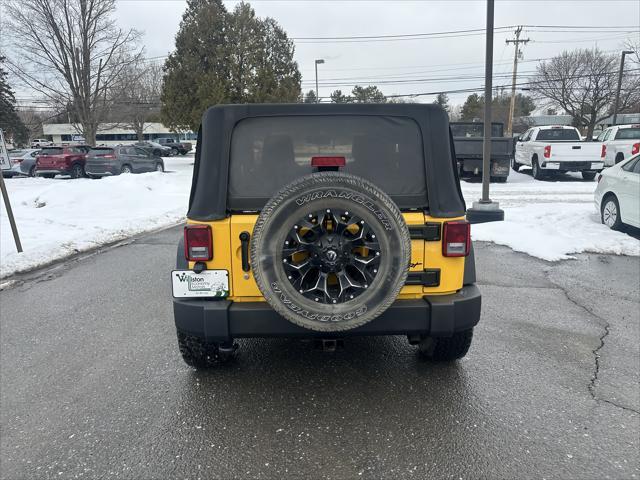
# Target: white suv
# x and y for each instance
(41, 142)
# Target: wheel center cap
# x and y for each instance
(331, 255)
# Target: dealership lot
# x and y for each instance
(92, 383)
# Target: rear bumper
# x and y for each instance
(223, 320)
(473, 166)
(52, 171)
(573, 166)
(101, 170)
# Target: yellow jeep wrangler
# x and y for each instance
(325, 221)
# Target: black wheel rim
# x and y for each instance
(330, 256)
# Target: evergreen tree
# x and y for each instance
(337, 97)
(443, 100)
(370, 94)
(10, 122)
(310, 97)
(226, 57)
(472, 108)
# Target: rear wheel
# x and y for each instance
(198, 353)
(77, 171)
(32, 171)
(610, 212)
(159, 167)
(515, 166)
(443, 349)
(126, 169)
(536, 171)
(589, 175)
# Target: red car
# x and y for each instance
(68, 160)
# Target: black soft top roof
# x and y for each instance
(209, 187)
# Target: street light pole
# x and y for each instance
(319, 61)
(485, 210)
(615, 109)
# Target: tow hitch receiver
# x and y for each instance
(328, 344)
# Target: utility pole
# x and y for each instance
(318, 62)
(516, 41)
(615, 109)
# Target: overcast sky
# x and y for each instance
(458, 61)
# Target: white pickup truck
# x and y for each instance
(619, 142)
(557, 149)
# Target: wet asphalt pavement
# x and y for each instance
(92, 384)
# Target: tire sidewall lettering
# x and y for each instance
(319, 317)
(346, 195)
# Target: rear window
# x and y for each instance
(268, 153)
(475, 130)
(51, 151)
(628, 134)
(558, 134)
(94, 152)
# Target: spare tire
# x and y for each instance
(330, 251)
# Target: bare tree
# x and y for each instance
(72, 53)
(138, 98)
(584, 83)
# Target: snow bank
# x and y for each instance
(549, 219)
(60, 217)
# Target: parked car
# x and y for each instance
(23, 163)
(104, 161)
(68, 160)
(179, 147)
(334, 220)
(617, 195)
(468, 139)
(557, 149)
(41, 142)
(619, 142)
(156, 149)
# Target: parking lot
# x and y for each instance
(92, 382)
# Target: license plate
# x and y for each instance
(208, 283)
(553, 166)
(597, 166)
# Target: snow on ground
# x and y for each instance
(549, 219)
(59, 217)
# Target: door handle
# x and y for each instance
(244, 250)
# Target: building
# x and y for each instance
(111, 134)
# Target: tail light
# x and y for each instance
(16, 160)
(456, 238)
(547, 151)
(635, 149)
(198, 244)
(328, 161)
(603, 152)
